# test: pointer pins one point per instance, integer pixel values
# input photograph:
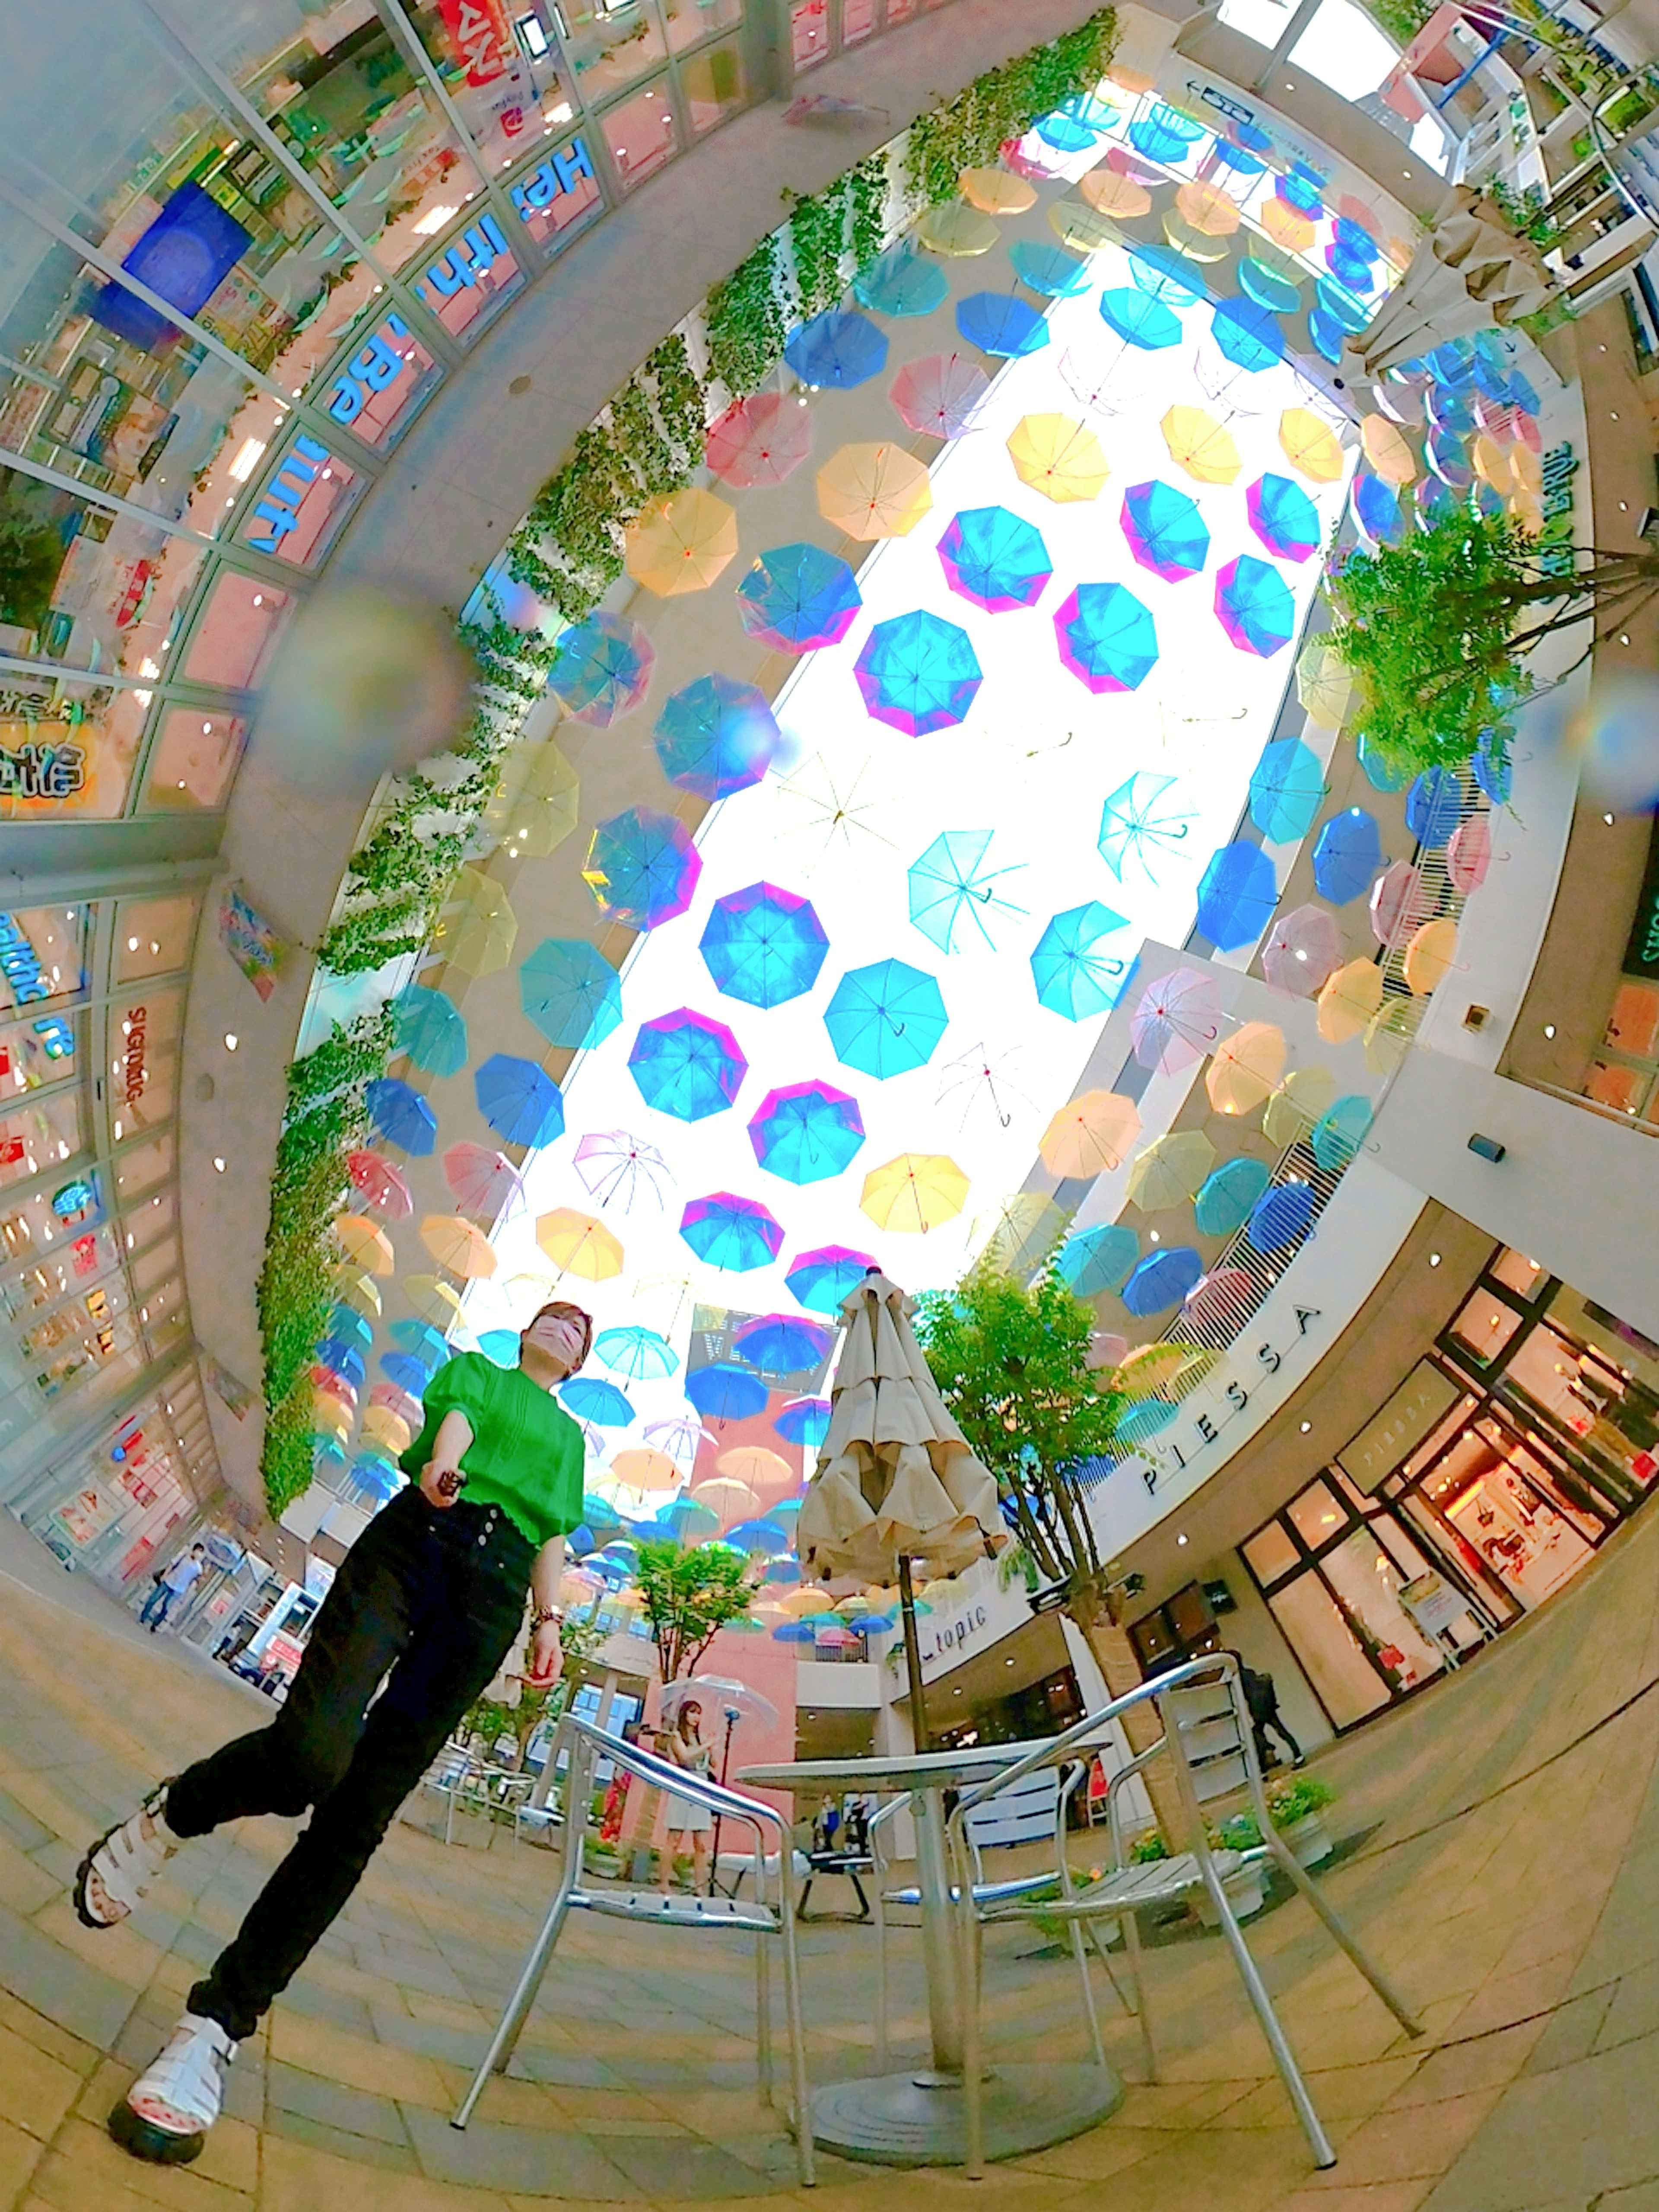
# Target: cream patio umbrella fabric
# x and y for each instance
(1470, 271)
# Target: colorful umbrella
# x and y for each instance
(949, 883)
(1377, 511)
(639, 1353)
(820, 1279)
(958, 231)
(602, 1403)
(941, 394)
(363, 1243)
(1348, 854)
(807, 1132)
(1073, 977)
(1177, 1022)
(1082, 228)
(481, 1181)
(602, 670)
(1201, 445)
(994, 191)
(804, 1421)
(641, 867)
(1340, 1132)
(886, 1018)
(382, 1185)
(1108, 192)
(918, 673)
(1279, 1217)
(1397, 902)
(570, 990)
(1388, 450)
(1287, 790)
(1001, 324)
(1164, 275)
(1162, 1280)
(1348, 1000)
(995, 559)
(501, 1345)
(1089, 1134)
(1226, 1197)
(837, 351)
(1170, 1171)
(534, 808)
(1048, 270)
(1165, 531)
(429, 1031)
(349, 1328)
(401, 1115)
(421, 1343)
(915, 1192)
(518, 1100)
(763, 945)
(902, 283)
(1432, 806)
(681, 543)
(1310, 444)
(760, 440)
(873, 492)
(577, 1244)
(642, 1469)
(476, 929)
(1208, 208)
(1297, 1104)
(1107, 638)
(1247, 335)
(778, 1344)
(1283, 517)
(1139, 319)
(1269, 285)
(716, 736)
(1135, 820)
(611, 1163)
(1432, 955)
(797, 598)
(1468, 854)
(1096, 1259)
(726, 1392)
(682, 1437)
(1246, 1067)
(1237, 895)
(687, 1066)
(1057, 458)
(1303, 948)
(1254, 605)
(1324, 686)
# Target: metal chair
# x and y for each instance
(587, 1745)
(1208, 1741)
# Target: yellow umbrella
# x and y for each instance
(1245, 1069)
(1491, 463)
(432, 1299)
(756, 1467)
(1526, 470)
(1110, 193)
(725, 1495)
(915, 1192)
(1388, 450)
(1084, 229)
(1208, 208)
(478, 929)
(1093, 1132)
(364, 1242)
(960, 232)
(577, 1244)
(535, 806)
(1023, 1230)
(681, 543)
(331, 1416)
(1199, 443)
(1528, 509)
(1057, 457)
(1310, 444)
(1430, 954)
(801, 1604)
(1349, 1000)
(456, 1245)
(642, 1468)
(1149, 1366)
(996, 192)
(1169, 1172)
(874, 491)
(1297, 1104)
(356, 1289)
(1287, 225)
(381, 1422)
(1388, 1033)
(1197, 245)
(1323, 684)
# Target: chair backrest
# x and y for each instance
(1023, 1814)
(1211, 1744)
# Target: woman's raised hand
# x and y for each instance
(440, 1486)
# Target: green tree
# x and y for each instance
(689, 1595)
(493, 1717)
(31, 553)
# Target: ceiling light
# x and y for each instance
(218, 1164)
(1306, 1425)
(1180, 1539)
(1434, 1259)
(231, 1040)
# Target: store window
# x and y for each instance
(1183, 1628)
(303, 503)
(138, 1168)
(858, 20)
(67, 747)
(36, 1138)
(712, 85)
(32, 1289)
(611, 44)
(472, 277)
(809, 33)
(1624, 1072)
(153, 1217)
(145, 1034)
(554, 195)
(1330, 1654)
(1518, 1274)
(42, 955)
(193, 759)
(236, 631)
(689, 21)
(900, 11)
(1485, 1327)
(641, 135)
(153, 937)
(36, 1053)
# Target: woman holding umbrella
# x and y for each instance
(683, 1747)
(429, 1600)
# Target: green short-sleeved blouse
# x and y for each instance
(526, 1452)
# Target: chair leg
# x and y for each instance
(881, 1982)
(1257, 1989)
(800, 2088)
(503, 2043)
(969, 1976)
(1105, 1959)
(1379, 1981)
(763, 2018)
(1132, 1953)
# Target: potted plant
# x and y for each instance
(1297, 1808)
(1247, 1885)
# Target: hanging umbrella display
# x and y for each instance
(1340, 1131)
(1270, 284)
(1247, 335)
(804, 1421)
(1170, 1171)
(1237, 895)
(918, 673)
(602, 669)
(1177, 1022)
(820, 1279)
(726, 1392)
(1303, 949)
(1432, 806)
(901, 283)
(1246, 1066)
(716, 736)
(1162, 1280)
(959, 232)
(728, 1497)
(577, 1244)
(1057, 457)
(1297, 1104)
(1432, 955)
(1136, 820)
(1201, 445)
(1095, 1259)
(382, 1425)
(1255, 607)
(941, 394)
(995, 559)
(1073, 975)
(681, 543)
(1468, 854)
(837, 351)
(682, 1437)
(1107, 638)
(401, 1115)
(1165, 531)
(807, 1132)
(1110, 193)
(1279, 1217)
(1227, 1197)
(1347, 856)
(501, 1345)
(612, 1164)
(429, 1031)
(760, 440)
(476, 929)
(872, 491)
(397, 1401)
(687, 1066)
(518, 1100)
(950, 886)
(914, 1193)
(1081, 229)
(797, 599)
(1001, 324)
(638, 1353)
(1377, 511)
(481, 1181)
(641, 867)
(1139, 319)
(1349, 1000)
(571, 991)
(1152, 1367)
(1019, 1237)
(349, 1328)
(729, 1232)
(1208, 208)
(1310, 444)
(1048, 270)
(763, 945)
(1397, 902)
(1283, 517)
(1287, 790)
(382, 1185)
(886, 1018)
(1164, 274)
(433, 1300)
(994, 192)
(602, 1403)
(1324, 686)
(1089, 1134)
(642, 1469)
(419, 1342)
(1388, 450)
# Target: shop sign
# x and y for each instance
(952, 1637)
(480, 37)
(20, 963)
(42, 771)
(77, 1201)
(1555, 538)
(134, 1074)
(1425, 1397)
(276, 513)
(560, 174)
(374, 367)
(473, 255)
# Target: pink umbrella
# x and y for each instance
(760, 440)
(483, 1181)
(1121, 159)
(1106, 1351)
(1222, 1296)
(1397, 903)
(614, 1164)
(1303, 950)
(1468, 855)
(382, 1184)
(939, 394)
(397, 1401)
(1022, 164)
(1177, 1022)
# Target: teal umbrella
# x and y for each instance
(886, 1018)
(1095, 1259)
(1286, 791)
(1073, 975)
(431, 1031)
(1228, 1197)
(1138, 819)
(638, 1353)
(571, 991)
(950, 887)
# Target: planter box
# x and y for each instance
(1247, 1892)
(1311, 1841)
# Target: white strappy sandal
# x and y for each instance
(124, 1861)
(164, 2117)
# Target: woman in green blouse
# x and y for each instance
(429, 1601)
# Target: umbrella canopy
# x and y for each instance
(941, 394)
(1164, 274)
(1310, 445)
(994, 192)
(1151, 1367)
(476, 929)
(1089, 1134)
(481, 1181)
(804, 1421)
(1254, 606)
(902, 283)
(1377, 511)
(1073, 975)
(429, 1031)
(1226, 1197)
(760, 440)
(1001, 324)
(763, 945)
(349, 1328)
(1348, 854)
(681, 543)
(1082, 228)
(915, 1192)
(734, 1233)
(612, 1164)
(918, 673)
(602, 1403)
(1303, 948)
(1432, 955)
(1297, 1104)
(958, 231)
(642, 1469)
(820, 1279)
(1201, 445)
(638, 1353)
(1096, 1259)
(1139, 319)
(1324, 686)
(950, 886)
(1049, 269)
(1208, 208)
(1177, 1022)
(1349, 1000)
(1107, 638)
(401, 1115)
(1162, 1280)
(1397, 902)
(1237, 895)
(685, 1065)
(1245, 1068)
(571, 991)
(797, 599)
(837, 351)
(807, 1132)
(518, 1100)
(995, 559)
(1170, 1171)
(778, 1344)
(726, 1392)
(1165, 531)
(872, 491)
(1287, 225)
(1136, 820)
(1340, 1132)
(682, 1437)
(577, 1244)
(1388, 450)
(1287, 790)
(716, 736)
(1279, 1217)
(1108, 192)
(1283, 517)
(364, 1243)
(642, 867)
(1468, 854)
(1249, 336)
(534, 811)
(1432, 806)
(1269, 284)
(420, 1342)
(886, 1018)
(1057, 457)
(602, 669)
(382, 1186)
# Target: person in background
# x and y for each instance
(1263, 1700)
(683, 1747)
(174, 1583)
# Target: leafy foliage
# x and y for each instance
(31, 554)
(493, 1717)
(818, 242)
(870, 183)
(966, 133)
(747, 320)
(689, 1595)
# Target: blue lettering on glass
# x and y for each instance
(372, 369)
(471, 254)
(20, 965)
(559, 174)
(279, 506)
(56, 1038)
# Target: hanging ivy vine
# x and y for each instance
(870, 183)
(818, 244)
(967, 133)
(746, 321)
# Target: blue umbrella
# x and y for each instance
(639, 1353)
(570, 990)
(1448, 456)
(501, 1345)
(602, 669)
(885, 1019)
(1237, 895)
(1141, 319)
(1066, 134)
(378, 1477)
(901, 283)
(1283, 517)
(804, 1421)
(1492, 769)
(821, 1279)
(1433, 806)
(1379, 774)
(1095, 1259)
(1237, 158)
(519, 1100)
(1279, 1217)
(837, 351)
(1348, 854)
(1300, 186)
(599, 1514)
(1433, 501)
(345, 1360)
(1157, 142)
(687, 1066)
(778, 1344)
(1227, 1197)
(1165, 531)
(950, 885)
(1286, 791)
(737, 1234)
(726, 1392)
(1340, 1132)
(1106, 637)
(401, 1115)
(1449, 410)
(763, 945)
(918, 673)
(996, 559)
(1377, 510)
(807, 1132)
(580, 1541)
(797, 598)
(760, 1539)
(1268, 286)
(1162, 1280)
(794, 1631)
(1073, 976)
(602, 1403)
(431, 1031)
(347, 1326)
(1249, 336)
(421, 1342)
(1049, 269)
(1352, 273)
(1254, 606)
(642, 867)
(1001, 323)
(1135, 820)
(1327, 336)
(1166, 274)
(1340, 306)
(716, 736)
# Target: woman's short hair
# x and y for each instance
(563, 1306)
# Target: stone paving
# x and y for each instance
(1510, 1880)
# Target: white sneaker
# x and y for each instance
(120, 1866)
(164, 2117)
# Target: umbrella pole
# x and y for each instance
(912, 1654)
(715, 1845)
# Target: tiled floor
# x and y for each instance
(1510, 1882)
